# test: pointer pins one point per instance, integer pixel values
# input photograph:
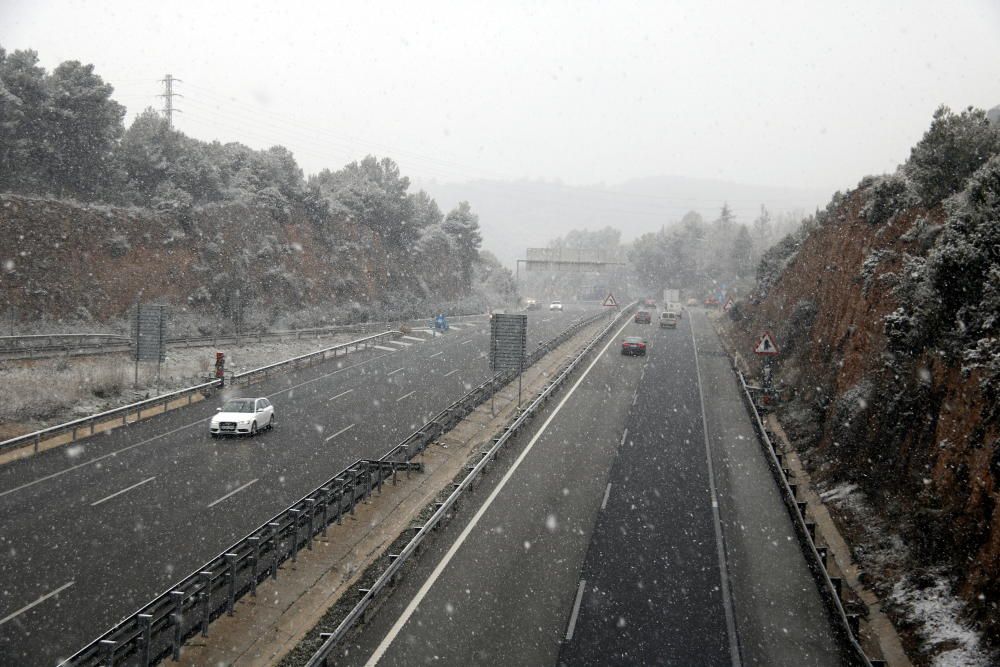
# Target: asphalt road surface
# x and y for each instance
(635, 527)
(93, 530)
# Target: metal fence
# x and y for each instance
(133, 412)
(158, 629)
(387, 580)
(846, 626)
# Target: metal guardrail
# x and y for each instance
(160, 627)
(390, 576)
(845, 625)
(43, 345)
(88, 424)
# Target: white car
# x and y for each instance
(555, 305)
(242, 416)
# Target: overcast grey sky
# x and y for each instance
(791, 94)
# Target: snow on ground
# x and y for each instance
(937, 612)
(39, 393)
(920, 595)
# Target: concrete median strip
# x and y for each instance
(267, 627)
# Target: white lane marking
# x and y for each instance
(394, 372)
(734, 649)
(98, 459)
(624, 435)
(419, 340)
(118, 493)
(576, 610)
(102, 457)
(406, 395)
(400, 343)
(450, 373)
(436, 573)
(436, 354)
(635, 397)
(466, 342)
(343, 430)
(35, 603)
(233, 492)
(423, 330)
(456, 327)
(607, 492)
(387, 349)
(343, 393)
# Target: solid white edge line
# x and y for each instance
(233, 492)
(35, 603)
(576, 608)
(727, 602)
(607, 494)
(393, 372)
(343, 430)
(406, 395)
(97, 459)
(436, 573)
(118, 493)
(450, 373)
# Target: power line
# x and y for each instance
(168, 98)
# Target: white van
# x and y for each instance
(668, 318)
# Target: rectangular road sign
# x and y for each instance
(508, 339)
(150, 331)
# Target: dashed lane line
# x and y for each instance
(341, 431)
(125, 490)
(233, 492)
(37, 602)
(343, 393)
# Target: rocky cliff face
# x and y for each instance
(915, 428)
(66, 260)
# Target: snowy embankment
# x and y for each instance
(37, 394)
(921, 598)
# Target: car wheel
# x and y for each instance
(253, 429)
(270, 423)
(215, 436)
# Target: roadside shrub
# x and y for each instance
(951, 150)
(887, 196)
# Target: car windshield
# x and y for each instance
(238, 405)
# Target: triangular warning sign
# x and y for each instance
(610, 301)
(766, 346)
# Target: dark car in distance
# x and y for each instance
(633, 345)
(643, 317)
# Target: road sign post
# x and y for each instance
(768, 349)
(508, 336)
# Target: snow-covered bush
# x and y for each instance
(951, 150)
(886, 196)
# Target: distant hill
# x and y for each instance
(514, 215)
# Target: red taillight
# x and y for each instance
(642, 346)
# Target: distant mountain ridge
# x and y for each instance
(514, 215)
